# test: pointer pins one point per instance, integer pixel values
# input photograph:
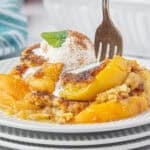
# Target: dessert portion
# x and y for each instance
(59, 81)
(71, 48)
(86, 85)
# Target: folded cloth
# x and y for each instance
(13, 27)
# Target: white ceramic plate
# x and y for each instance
(138, 139)
(47, 127)
(16, 145)
(81, 139)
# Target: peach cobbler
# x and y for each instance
(59, 81)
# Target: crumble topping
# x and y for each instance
(19, 69)
(29, 58)
(58, 109)
(117, 93)
(134, 85)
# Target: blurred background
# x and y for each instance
(132, 17)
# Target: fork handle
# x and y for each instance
(105, 7)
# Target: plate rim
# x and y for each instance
(109, 140)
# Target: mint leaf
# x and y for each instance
(55, 39)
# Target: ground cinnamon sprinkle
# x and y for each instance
(21, 68)
(79, 39)
(86, 76)
(28, 57)
(39, 74)
(29, 49)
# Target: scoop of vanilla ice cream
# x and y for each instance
(76, 51)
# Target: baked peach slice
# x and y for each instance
(14, 87)
(112, 110)
(45, 78)
(6, 101)
(113, 74)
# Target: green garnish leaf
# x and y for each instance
(55, 39)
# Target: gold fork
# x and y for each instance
(108, 40)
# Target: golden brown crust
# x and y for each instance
(38, 74)
(58, 109)
(29, 58)
(84, 77)
(67, 105)
(19, 69)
